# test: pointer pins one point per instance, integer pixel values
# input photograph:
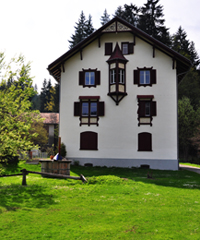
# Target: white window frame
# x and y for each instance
(90, 73)
(121, 76)
(143, 77)
(112, 76)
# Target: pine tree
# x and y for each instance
(82, 30)
(43, 96)
(89, 27)
(194, 57)
(119, 12)
(105, 18)
(79, 31)
(180, 43)
(151, 21)
(128, 13)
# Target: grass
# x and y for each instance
(115, 203)
(190, 164)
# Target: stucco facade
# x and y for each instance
(118, 129)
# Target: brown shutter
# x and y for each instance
(108, 48)
(144, 142)
(77, 110)
(130, 48)
(153, 109)
(97, 77)
(81, 78)
(153, 76)
(136, 76)
(141, 110)
(84, 141)
(101, 109)
(88, 141)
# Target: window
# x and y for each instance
(89, 77)
(89, 109)
(112, 76)
(121, 76)
(127, 48)
(144, 141)
(88, 141)
(146, 109)
(145, 77)
(108, 48)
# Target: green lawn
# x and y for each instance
(115, 203)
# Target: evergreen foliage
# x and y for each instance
(189, 120)
(105, 18)
(130, 13)
(152, 22)
(180, 43)
(82, 30)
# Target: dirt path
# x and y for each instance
(190, 168)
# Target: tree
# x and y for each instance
(180, 43)
(190, 87)
(194, 58)
(15, 115)
(82, 30)
(49, 97)
(151, 21)
(37, 126)
(105, 18)
(89, 27)
(43, 96)
(189, 120)
(130, 13)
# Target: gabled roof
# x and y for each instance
(117, 54)
(119, 25)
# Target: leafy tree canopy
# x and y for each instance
(15, 115)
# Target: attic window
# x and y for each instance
(89, 77)
(108, 48)
(127, 48)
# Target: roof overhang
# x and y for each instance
(181, 63)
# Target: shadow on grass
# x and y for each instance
(14, 197)
(178, 179)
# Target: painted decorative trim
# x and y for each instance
(121, 27)
(111, 28)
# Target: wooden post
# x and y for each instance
(24, 177)
(59, 144)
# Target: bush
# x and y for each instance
(63, 151)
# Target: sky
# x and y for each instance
(40, 29)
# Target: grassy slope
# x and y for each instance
(114, 204)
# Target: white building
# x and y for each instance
(118, 103)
